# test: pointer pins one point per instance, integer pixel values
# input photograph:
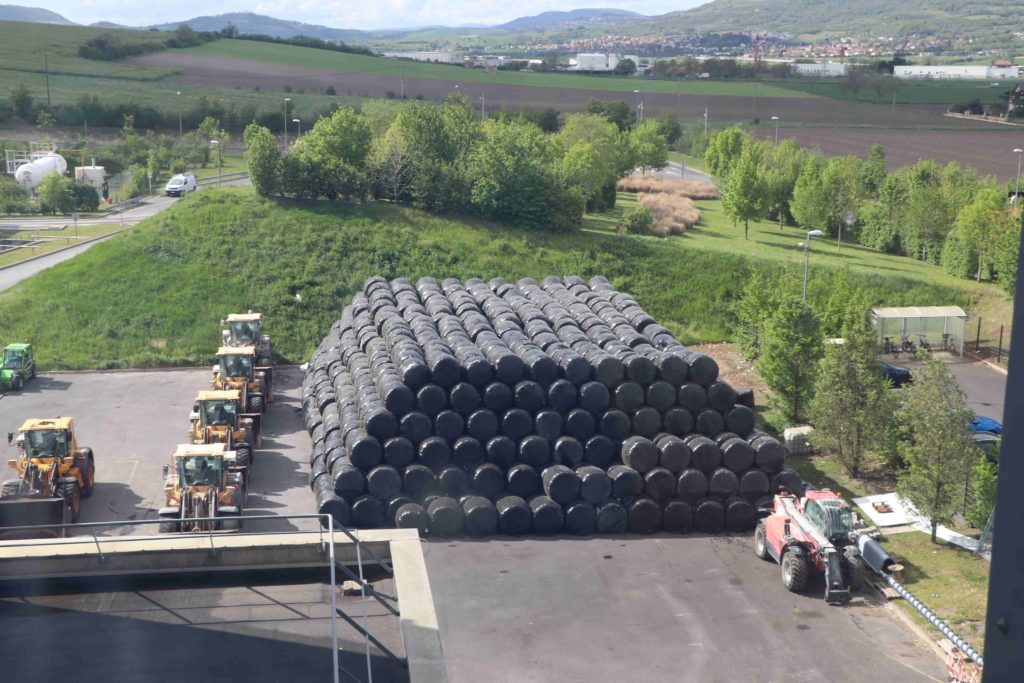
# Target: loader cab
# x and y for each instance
(243, 329)
(833, 516)
(47, 438)
(17, 357)
(218, 412)
(201, 470)
(235, 362)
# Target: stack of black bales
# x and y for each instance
(493, 407)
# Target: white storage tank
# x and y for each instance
(92, 176)
(30, 175)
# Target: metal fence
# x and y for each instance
(222, 178)
(326, 528)
(988, 340)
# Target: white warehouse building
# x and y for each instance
(592, 61)
(957, 71)
(822, 69)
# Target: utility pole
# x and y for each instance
(177, 100)
(483, 107)
(286, 101)
(705, 121)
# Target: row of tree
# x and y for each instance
(945, 215)
(444, 158)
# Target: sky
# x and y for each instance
(341, 13)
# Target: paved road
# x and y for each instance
(659, 608)
(984, 386)
(678, 171)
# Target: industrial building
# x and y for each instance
(588, 61)
(821, 69)
(439, 57)
(959, 71)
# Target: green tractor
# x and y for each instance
(17, 367)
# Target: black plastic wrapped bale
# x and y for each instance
(640, 453)
(723, 483)
(348, 482)
(673, 369)
(412, 516)
(497, 397)
(771, 454)
(677, 421)
(626, 481)
(449, 425)
(644, 515)
(710, 423)
(367, 512)
(740, 420)
(431, 399)
(737, 455)
(673, 454)
(329, 503)
(629, 396)
(612, 518)
(399, 452)
(647, 422)
(693, 397)
(705, 455)
(383, 481)
(754, 484)
(416, 427)
(723, 437)
(393, 504)
(721, 396)
(691, 485)
(677, 516)
(523, 480)
(740, 514)
(419, 481)
(548, 517)
(516, 423)
(787, 480)
(703, 369)
(435, 453)
(548, 424)
(567, 451)
(614, 424)
(318, 470)
(660, 484)
(709, 516)
(579, 424)
(488, 480)
(562, 396)
(535, 451)
(481, 516)
(561, 484)
(595, 398)
(364, 451)
(501, 451)
(595, 484)
(453, 481)
(745, 397)
(661, 396)
(464, 398)
(467, 452)
(514, 516)
(599, 451)
(482, 425)
(446, 517)
(529, 396)
(580, 518)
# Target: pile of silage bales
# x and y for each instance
(497, 407)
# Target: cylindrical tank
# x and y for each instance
(30, 175)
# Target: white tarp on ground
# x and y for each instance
(897, 512)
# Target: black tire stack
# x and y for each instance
(491, 407)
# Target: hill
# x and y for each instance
(987, 20)
(153, 295)
(259, 24)
(546, 21)
(37, 15)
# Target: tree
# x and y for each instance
(1004, 257)
(873, 171)
(852, 405)
(618, 112)
(55, 195)
(627, 67)
(21, 100)
(724, 149)
(980, 224)
(263, 159)
(984, 478)
(85, 197)
(760, 297)
(936, 443)
(780, 168)
(647, 147)
(546, 118)
(393, 167)
(669, 128)
(812, 198)
(45, 121)
(791, 347)
(743, 190)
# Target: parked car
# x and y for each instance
(986, 424)
(989, 444)
(181, 184)
(897, 374)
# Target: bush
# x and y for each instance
(13, 197)
(85, 197)
(672, 214)
(654, 184)
(637, 221)
(107, 47)
(55, 195)
(958, 259)
(330, 91)
(983, 492)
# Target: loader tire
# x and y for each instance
(794, 571)
(231, 523)
(856, 574)
(9, 488)
(17, 383)
(256, 403)
(169, 527)
(89, 476)
(72, 493)
(761, 542)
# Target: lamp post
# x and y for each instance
(776, 120)
(177, 103)
(220, 160)
(298, 127)
(849, 220)
(483, 107)
(807, 255)
(637, 93)
(286, 101)
(1016, 192)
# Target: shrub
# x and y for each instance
(672, 214)
(958, 259)
(983, 492)
(85, 197)
(657, 184)
(55, 195)
(637, 221)
(330, 90)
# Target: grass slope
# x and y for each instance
(154, 295)
(908, 91)
(338, 61)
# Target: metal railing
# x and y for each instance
(328, 521)
(223, 178)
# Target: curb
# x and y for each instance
(911, 625)
(990, 364)
(70, 246)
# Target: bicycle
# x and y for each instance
(907, 345)
(892, 348)
(947, 343)
(924, 345)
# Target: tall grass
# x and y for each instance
(154, 295)
(656, 184)
(673, 214)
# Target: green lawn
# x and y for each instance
(352, 63)
(53, 240)
(907, 91)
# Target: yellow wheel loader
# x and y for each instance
(217, 417)
(237, 368)
(203, 481)
(246, 329)
(54, 474)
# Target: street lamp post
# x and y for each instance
(286, 101)
(807, 255)
(483, 107)
(637, 93)
(177, 101)
(776, 120)
(220, 160)
(298, 128)
(1016, 192)
(849, 220)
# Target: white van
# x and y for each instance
(181, 184)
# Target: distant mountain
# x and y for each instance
(107, 24)
(258, 24)
(36, 15)
(547, 21)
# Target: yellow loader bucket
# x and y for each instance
(23, 512)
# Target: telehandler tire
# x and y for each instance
(794, 571)
(856, 570)
(761, 542)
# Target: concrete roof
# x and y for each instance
(920, 312)
(227, 395)
(207, 449)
